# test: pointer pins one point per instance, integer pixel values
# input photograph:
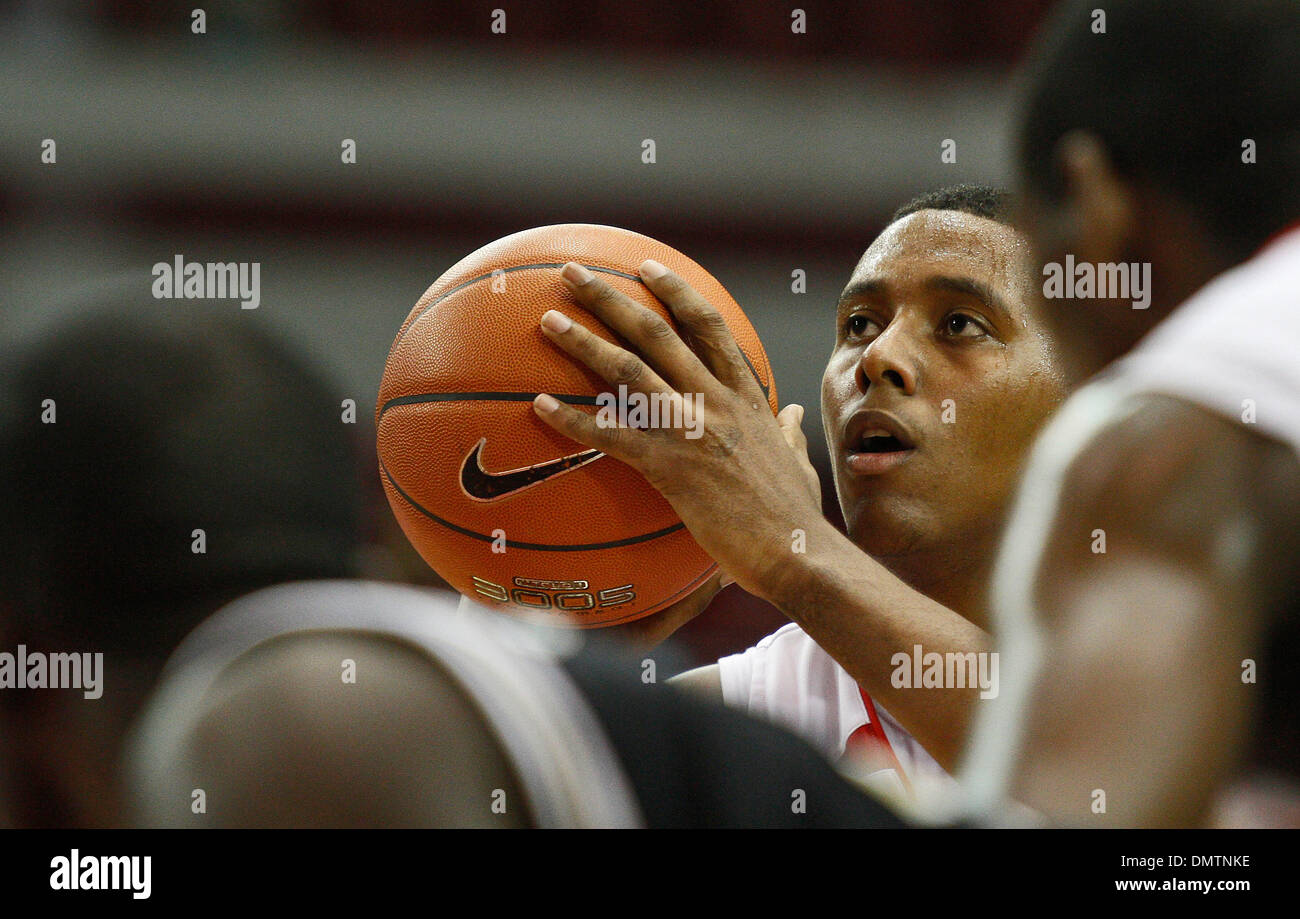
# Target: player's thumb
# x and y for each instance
(790, 419)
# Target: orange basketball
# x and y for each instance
(505, 509)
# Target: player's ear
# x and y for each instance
(1100, 204)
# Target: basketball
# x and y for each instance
(506, 510)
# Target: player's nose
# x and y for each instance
(889, 360)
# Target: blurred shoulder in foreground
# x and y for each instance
(356, 704)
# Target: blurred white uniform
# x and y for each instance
(570, 774)
(787, 678)
(1232, 348)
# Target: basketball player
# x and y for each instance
(941, 374)
(450, 718)
(1149, 572)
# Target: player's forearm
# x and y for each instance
(879, 630)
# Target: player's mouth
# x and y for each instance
(875, 442)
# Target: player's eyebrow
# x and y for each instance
(860, 290)
(977, 289)
(959, 284)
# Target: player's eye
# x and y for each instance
(961, 325)
(858, 324)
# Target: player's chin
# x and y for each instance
(886, 525)
(897, 484)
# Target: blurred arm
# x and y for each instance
(1140, 696)
(703, 681)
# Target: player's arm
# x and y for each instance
(704, 681)
(871, 623)
(862, 615)
(1145, 691)
(744, 494)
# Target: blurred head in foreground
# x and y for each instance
(157, 460)
(355, 704)
(1169, 141)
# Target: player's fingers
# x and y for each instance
(643, 328)
(704, 326)
(621, 443)
(617, 366)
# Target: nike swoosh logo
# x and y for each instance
(482, 485)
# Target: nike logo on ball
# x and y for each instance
(482, 485)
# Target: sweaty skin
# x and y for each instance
(937, 332)
(938, 328)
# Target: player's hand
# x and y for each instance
(744, 486)
(654, 629)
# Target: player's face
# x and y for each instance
(941, 374)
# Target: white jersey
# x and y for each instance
(787, 678)
(1233, 348)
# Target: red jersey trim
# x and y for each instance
(871, 737)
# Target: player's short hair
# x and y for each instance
(1174, 89)
(978, 200)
